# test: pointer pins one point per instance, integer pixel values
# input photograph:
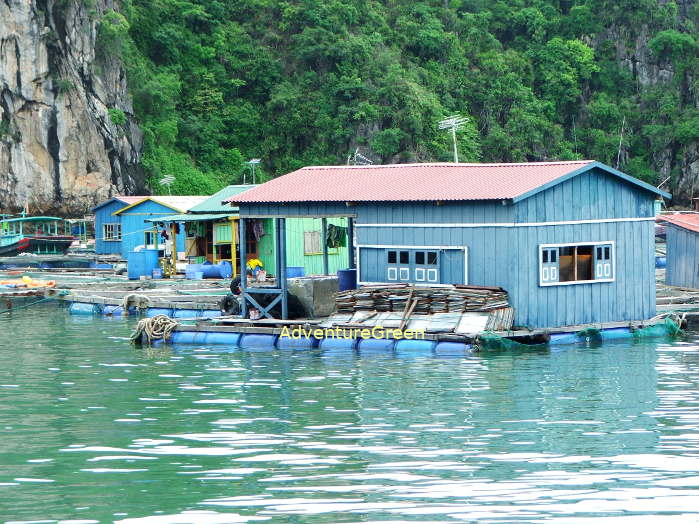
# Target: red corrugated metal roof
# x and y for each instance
(688, 221)
(409, 182)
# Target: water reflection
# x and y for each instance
(95, 430)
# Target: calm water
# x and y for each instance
(94, 430)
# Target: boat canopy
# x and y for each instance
(32, 219)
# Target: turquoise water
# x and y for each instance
(94, 430)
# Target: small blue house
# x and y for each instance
(108, 225)
(133, 227)
(571, 242)
(682, 237)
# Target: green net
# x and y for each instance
(490, 341)
(667, 328)
(590, 332)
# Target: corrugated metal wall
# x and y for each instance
(682, 257)
(295, 228)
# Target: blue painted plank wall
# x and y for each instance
(103, 215)
(682, 257)
(591, 195)
(509, 257)
(133, 225)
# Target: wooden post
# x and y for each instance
(350, 244)
(155, 235)
(173, 229)
(324, 243)
(234, 227)
(243, 274)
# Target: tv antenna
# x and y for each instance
(251, 164)
(167, 181)
(454, 123)
(357, 159)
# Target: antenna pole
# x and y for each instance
(621, 136)
(456, 152)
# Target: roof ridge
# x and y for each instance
(452, 164)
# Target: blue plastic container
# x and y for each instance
(223, 339)
(154, 311)
(564, 338)
(136, 264)
(347, 279)
(150, 260)
(157, 273)
(295, 271)
(376, 345)
(414, 348)
(186, 313)
(337, 343)
(81, 308)
(660, 262)
(301, 343)
(114, 311)
(258, 342)
(209, 270)
(451, 349)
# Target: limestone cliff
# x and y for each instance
(60, 151)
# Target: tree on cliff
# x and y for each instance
(302, 82)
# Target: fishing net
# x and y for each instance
(490, 341)
(667, 328)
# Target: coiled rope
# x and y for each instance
(157, 327)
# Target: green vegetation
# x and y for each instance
(301, 82)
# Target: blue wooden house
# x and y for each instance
(108, 225)
(571, 242)
(682, 237)
(134, 228)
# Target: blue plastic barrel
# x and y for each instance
(296, 343)
(225, 270)
(295, 271)
(81, 308)
(660, 262)
(347, 279)
(375, 345)
(451, 349)
(258, 342)
(150, 260)
(337, 343)
(223, 339)
(414, 348)
(157, 273)
(136, 264)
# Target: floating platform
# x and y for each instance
(270, 335)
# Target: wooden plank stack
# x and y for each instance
(427, 300)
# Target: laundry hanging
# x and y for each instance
(336, 236)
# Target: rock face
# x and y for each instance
(60, 150)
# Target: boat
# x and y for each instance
(39, 235)
(15, 248)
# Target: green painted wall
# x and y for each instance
(295, 228)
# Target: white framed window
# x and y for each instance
(111, 232)
(576, 263)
